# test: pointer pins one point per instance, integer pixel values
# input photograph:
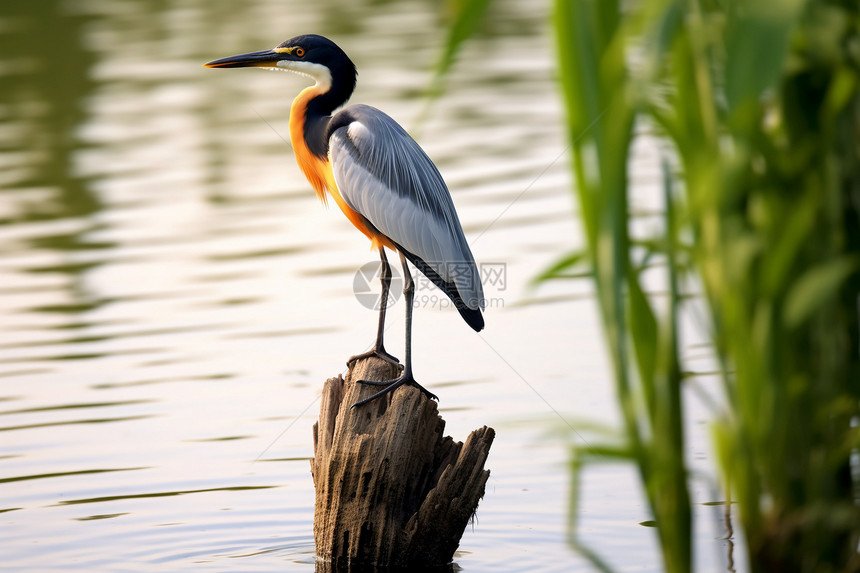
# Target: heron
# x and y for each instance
(381, 180)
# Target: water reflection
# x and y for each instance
(45, 87)
(47, 79)
(326, 567)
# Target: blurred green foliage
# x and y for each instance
(758, 107)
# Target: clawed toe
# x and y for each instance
(391, 386)
(380, 353)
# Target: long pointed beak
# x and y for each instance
(264, 58)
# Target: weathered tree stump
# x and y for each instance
(390, 489)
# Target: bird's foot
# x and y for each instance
(378, 352)
(391, 386)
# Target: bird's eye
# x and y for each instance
(299, 52)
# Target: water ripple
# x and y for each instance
(67, 474)
(109, 498)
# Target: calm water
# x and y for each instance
(173, 295)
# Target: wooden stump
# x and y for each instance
(390, 489)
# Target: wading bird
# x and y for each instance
(380, 178)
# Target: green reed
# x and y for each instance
(758, 105)
(602, 111)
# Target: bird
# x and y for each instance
(382, 181)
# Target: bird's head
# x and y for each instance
(309, 55)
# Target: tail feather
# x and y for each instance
(472, 316)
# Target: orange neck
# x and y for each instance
(318, 170)
(315, 169)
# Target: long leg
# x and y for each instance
(378, 348)
(406, 377)
(409, 294)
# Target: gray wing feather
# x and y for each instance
(383, 174)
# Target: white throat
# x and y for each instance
(317, 72)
